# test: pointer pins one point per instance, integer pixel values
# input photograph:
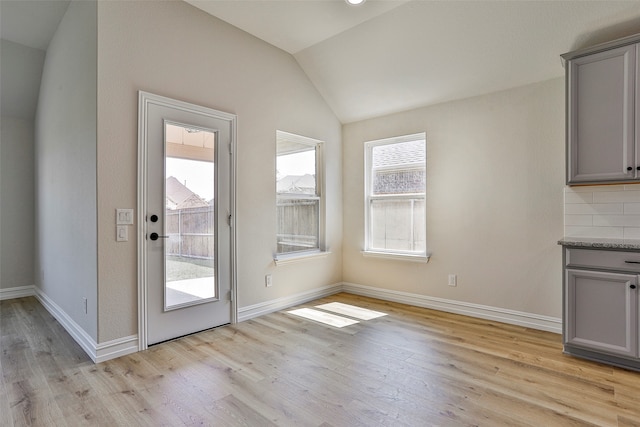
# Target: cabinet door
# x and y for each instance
(601, 120)
(601, 311)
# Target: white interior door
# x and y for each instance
(186, 234)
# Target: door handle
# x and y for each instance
(156, 236)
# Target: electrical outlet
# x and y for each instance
(267, 281)
(453, 280)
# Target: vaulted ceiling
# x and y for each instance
(386, 56)
(26, 28)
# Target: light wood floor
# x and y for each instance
(414, 367)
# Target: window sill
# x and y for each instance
(303, 256)
(399, 257)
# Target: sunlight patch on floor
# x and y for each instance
(353, 312)
(323, 317)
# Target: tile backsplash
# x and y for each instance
(606, 211)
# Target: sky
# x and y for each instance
(296, 164)
(197, 175)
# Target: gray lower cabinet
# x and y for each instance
(602, 311)
(601, 306)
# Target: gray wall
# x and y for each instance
(19, 85)
(17, 207)
(66, 168)
(20, 79)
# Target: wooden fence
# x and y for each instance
(190, 232)
(297, 225)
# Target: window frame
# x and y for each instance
(369, 197)
(318, 146)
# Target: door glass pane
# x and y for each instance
(189, 216)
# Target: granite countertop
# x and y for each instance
(591, 242)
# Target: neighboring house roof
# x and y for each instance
(392, 155)
(305, 184)
(399, 168)
(180, 197)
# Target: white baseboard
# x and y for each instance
(512, 317)
(97, 352)
(251, 311)
(116, 348)
(17, 292)
(77, 333)
(127, 345)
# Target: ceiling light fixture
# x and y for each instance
(355, 2)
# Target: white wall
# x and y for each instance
(495, 179)
(17, 207)
(66, 168)
(175, 50)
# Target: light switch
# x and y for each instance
(124, 216)
(122, 233)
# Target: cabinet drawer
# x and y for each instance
(603, 259)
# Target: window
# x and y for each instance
(395, 196)
(299, 194)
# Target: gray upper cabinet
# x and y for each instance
(601, 115)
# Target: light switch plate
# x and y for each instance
(122, 233)
(124, 216)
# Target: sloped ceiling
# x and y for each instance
(19, 79)
(387, 56)
(31, 23)
(26, 28)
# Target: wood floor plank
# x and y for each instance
(31, 403)
(232, 411)
(413, 367)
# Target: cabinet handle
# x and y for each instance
(632, 262)
(632, 286)
(629, 168)
(638, 168)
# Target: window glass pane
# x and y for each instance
(398, 225)
(297, 225)
(298, 201)
(396, 195)
(398, 168)
(296, 172)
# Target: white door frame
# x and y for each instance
(146, 99)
